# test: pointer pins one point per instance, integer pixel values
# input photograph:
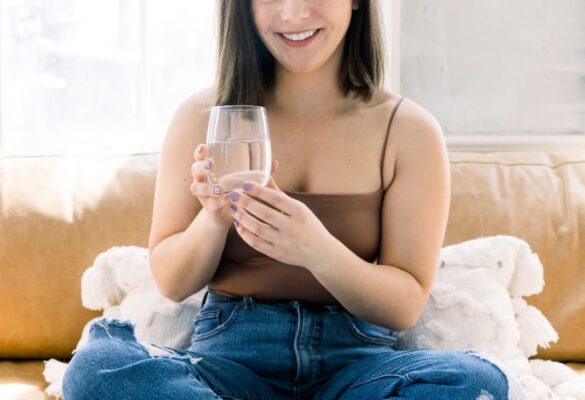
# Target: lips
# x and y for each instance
(299, 38)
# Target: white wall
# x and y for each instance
(497, 67)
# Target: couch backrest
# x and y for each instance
(58, 213)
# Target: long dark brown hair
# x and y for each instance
(246, 69)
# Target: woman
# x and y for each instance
(296, 305)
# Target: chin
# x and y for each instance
(299, 68)
(294, 70)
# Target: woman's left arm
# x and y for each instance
(415, 208)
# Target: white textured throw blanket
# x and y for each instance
(476, 303)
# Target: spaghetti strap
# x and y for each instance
(386, 141)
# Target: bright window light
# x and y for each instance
(84, 76)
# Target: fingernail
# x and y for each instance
(207, 164)
(234, 196)
(247, 186)
(236, 224)
(200, 149)
(217, 190)
(233, 208)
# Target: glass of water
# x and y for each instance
(238, 142)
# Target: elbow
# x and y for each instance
(408, 322)
(173, 298)
(411, 317)
(164, 290)
(167, 294)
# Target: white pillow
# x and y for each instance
(475, 305)
(120, 282)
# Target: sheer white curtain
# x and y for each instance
(86, 76)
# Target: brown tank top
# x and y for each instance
(354, 219)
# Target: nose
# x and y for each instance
(294, 10)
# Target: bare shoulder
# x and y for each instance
(189, 124)
(414, 133)
(415, 130)
(413, 123)
(409, 114)
(187, 129)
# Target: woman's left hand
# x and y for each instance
(285, 228)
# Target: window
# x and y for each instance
(83, 76)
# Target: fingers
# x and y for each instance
(200, 189)
(255, 241)
(271, 183)
(255, 214)
(202, 166)
(211, 197)
(276, 198)
(260, 225)
(200, 169)
(200, 152)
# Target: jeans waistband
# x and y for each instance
(248, 301)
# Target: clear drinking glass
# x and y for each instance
(238, 141)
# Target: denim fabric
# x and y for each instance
(244, 348)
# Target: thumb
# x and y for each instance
(271, 183)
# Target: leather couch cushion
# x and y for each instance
(539, 197)
(22, 380)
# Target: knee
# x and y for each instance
(483, 376)
(465, 373)
(82, 378)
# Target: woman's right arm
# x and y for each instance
(189, 222)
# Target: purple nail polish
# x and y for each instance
(234, 196)
(233, 208)
(247, 186)
(207, 164)
(236, 224)
(217, 190)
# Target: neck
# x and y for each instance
(309, 94)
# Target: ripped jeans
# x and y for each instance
(244, 348)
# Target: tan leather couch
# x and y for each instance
(57, 213)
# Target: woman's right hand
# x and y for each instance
(211, 197)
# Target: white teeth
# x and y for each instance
(297, 37)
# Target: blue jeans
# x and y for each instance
(244, 348)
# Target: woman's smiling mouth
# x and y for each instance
(299, 39)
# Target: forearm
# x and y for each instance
(381, 294)
(183, 263)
